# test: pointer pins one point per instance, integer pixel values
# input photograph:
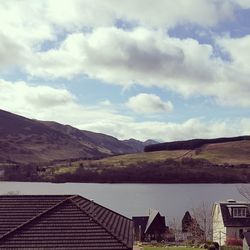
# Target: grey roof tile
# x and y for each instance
(61, 222)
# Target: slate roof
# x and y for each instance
(61, 222)
(230, 221)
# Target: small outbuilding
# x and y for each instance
(148, 228)
(61, 222)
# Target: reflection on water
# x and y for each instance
(172, 200)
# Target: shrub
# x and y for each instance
(231, 248)
(216, 244)
(233, 242)
(211, 247)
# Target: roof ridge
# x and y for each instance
(35, 217)
(102, 225)
(77, 195)
(36, 195)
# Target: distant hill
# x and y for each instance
(139, 146)
(224, 162)
(191, 144)
(226, 153)
(24, 140)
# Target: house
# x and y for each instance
(230, 220)
(61, 222)
(148, 228)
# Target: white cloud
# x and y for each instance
(123, 57)
(151, 58)
(48, 103)
(234, 76)
(169, 131)
(236, 48)
(11, 53)
(47, 18)
(168, 13)
(243, 3)
(148, 104)
(47, 21)
(105, 103)
(64, 39)
(31, 99)
(15, 97)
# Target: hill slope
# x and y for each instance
(231, 153)
(24, 140)
(227, 162)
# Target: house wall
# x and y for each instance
(245, 245)
(219, 231)
(180, 236)
(234, 232)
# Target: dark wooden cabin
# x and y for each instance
(148, 228)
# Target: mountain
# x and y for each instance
(106, 144)
(24, 140)
(139, 146)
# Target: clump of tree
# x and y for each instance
(195, 227)
(187, 170)
(191, 144)
(21, 173)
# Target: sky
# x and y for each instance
(164, 70)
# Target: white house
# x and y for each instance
(230, 220)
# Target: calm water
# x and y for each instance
(172, 200)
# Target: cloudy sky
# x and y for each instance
(162, 69)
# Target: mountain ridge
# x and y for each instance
(24, 140)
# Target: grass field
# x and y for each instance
(124, 160)
(230, 152)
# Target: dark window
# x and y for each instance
(241, 233)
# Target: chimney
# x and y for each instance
(231, 201)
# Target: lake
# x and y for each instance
(172, 200)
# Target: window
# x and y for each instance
(239, 212)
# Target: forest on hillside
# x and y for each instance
(187, 170)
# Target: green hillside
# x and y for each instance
(212, 163)
(234, 153)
